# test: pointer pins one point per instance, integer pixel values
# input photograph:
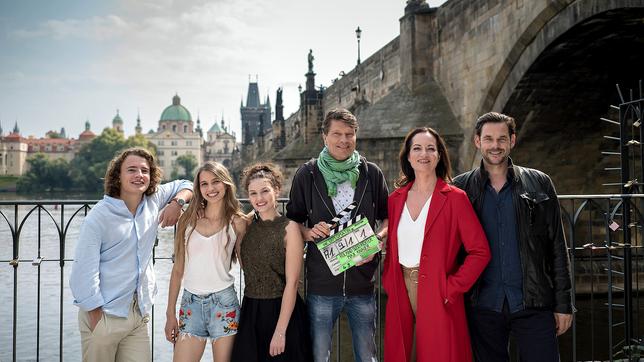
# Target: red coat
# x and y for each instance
(441, 328)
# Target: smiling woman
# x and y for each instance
(204, 251)
(431, 222)
(273, 316)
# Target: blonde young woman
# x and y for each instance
(203, 250)
(273, 325)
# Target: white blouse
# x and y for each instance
(207, 263)
(410, 236)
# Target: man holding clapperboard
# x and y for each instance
(340, 200)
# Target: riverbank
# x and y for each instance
(8, 183)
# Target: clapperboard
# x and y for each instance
(348, 243)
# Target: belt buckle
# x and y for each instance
(411, 276)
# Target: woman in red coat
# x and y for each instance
(429, 222)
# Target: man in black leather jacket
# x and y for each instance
(528, 278)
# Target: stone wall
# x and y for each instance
(376, 76)
(484, 48)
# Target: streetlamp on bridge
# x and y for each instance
(358, 34)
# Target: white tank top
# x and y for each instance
(207, 261)
(410, 236)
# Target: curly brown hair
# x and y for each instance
(407, 174)
(266, 170)
(112, 184)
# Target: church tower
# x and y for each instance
(254, 116)
(117, 122)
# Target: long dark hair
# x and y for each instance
(407, 175)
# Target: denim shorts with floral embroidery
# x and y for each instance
(209, 316)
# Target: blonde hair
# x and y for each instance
(189, 217)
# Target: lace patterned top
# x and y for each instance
(263, 257)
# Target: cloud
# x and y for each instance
(94, 28)
(191, 46)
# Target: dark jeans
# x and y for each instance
(533, 331)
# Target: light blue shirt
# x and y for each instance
(113, 256)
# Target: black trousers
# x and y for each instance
(533, 330)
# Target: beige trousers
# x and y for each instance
(411, 283)
(116, 339)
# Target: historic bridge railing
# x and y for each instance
(37, 239)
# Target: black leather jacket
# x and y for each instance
(542, 245)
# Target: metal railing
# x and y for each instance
(34, 234)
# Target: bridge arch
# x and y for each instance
(560, 77)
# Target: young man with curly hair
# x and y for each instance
(112, 278)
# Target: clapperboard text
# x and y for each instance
(346, 238)
(348, 243)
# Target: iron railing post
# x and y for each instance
(626, 224)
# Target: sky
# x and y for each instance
(63, 62)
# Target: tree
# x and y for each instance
(45, 175)
(139, 140)
(59, 173)
(91, 162)
(187, 163)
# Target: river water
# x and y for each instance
(50, 274)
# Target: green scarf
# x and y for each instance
(336, 172)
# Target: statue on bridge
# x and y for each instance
(311, 58)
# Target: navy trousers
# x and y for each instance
(533, 330)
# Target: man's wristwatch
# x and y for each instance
(179, 201)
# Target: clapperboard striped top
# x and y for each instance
(346, 211)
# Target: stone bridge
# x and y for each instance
(552, 64)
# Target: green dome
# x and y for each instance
(215, 128)
(117, 119)
(176, 112)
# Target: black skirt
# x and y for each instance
(257, 325)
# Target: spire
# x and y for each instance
(252, 99)
(62, 133)
(241, 104)
(268, 100)
(198, 129)
(15, 128)
(87, 125)
(138, 129)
